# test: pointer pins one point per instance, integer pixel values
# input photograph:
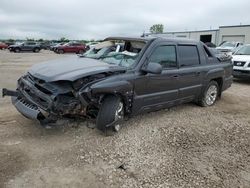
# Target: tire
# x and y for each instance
(61, 51)
(110, 113)
(17, 50)
(36, 50)
(210, 95)
(80, 52)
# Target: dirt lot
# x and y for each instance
(185, 146)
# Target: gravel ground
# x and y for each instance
(185, 146)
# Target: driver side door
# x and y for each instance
(160, 90)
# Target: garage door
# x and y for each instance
(234, 38)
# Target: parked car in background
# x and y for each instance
(9, 43)
(25, 46)
(91, 44)
(3, 46)
(71, 47)
(145, 76)
(229, 47)
(45, 45)
(210, 45)
(241, 62)
(54, 46)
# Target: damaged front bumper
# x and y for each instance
(26, 108)
(38, 100)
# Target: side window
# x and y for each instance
(164, 55)
(188, 55)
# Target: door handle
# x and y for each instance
(175, 76)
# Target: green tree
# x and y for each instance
(11, 40)
(30, 39)
(63, 39)
(157, 28)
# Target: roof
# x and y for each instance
(178, 39)
(142, 39)
(145, 39)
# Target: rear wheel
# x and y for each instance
(210, 95)
(110, 116)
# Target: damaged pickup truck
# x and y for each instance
(122, 77)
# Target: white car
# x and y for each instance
(229, 47)
(241, 62)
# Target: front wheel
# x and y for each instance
(17, 50)
(36, 50)
(210, 95)
(110, 115)
(60, 51)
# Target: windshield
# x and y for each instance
(228, 44)
(245, 50)
(124, 59)
(122, 53)
(66, 44)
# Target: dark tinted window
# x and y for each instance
(164, 55)
(30, 43)
(188, 55)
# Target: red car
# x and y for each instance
(3, 46)
(71, 47)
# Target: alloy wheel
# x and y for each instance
(211, 95)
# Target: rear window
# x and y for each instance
(188, 55)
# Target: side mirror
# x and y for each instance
(153, 68)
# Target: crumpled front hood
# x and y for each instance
(71, 69)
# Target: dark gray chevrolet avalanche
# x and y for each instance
(122, 77)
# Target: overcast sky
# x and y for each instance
(96, 19)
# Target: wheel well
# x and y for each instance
(123, 99)
(219, 82)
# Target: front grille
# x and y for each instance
(27, 104)
(37, 99)
(239, 63)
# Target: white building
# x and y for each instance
(237, 33)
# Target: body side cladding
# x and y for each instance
(214, 74)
